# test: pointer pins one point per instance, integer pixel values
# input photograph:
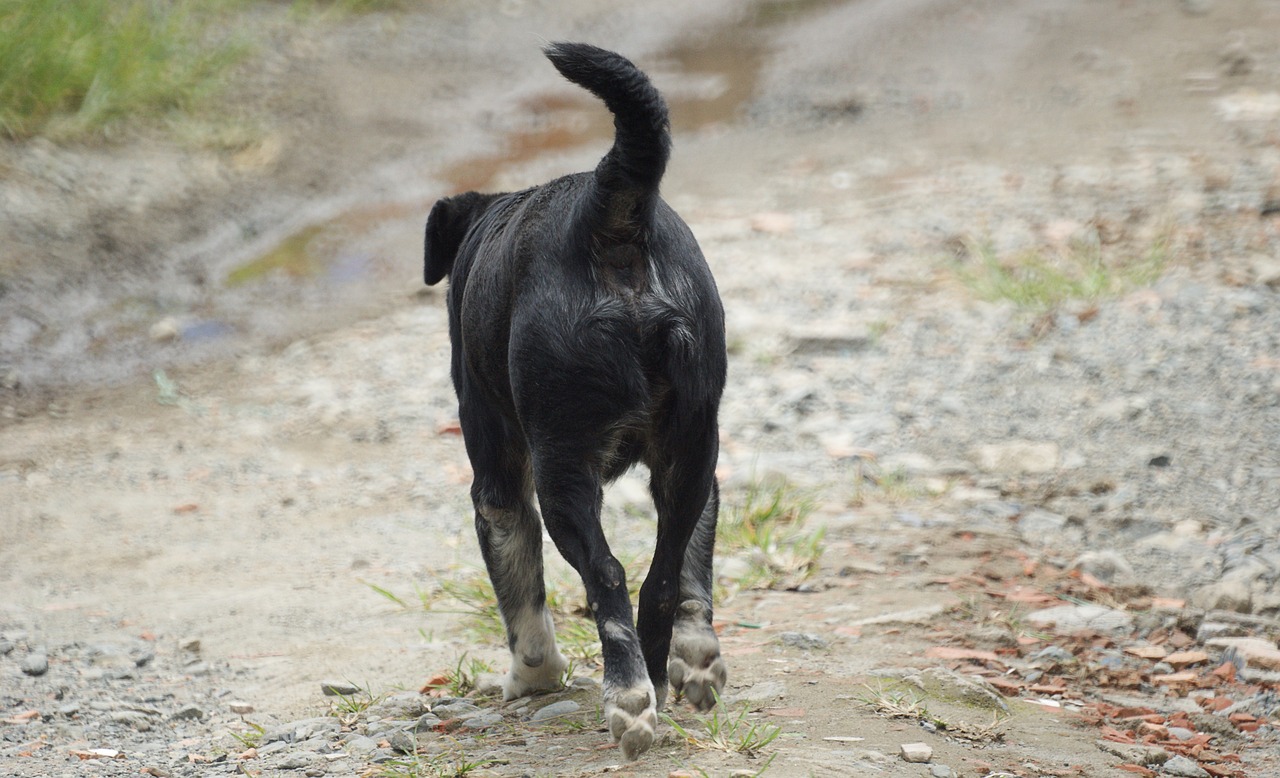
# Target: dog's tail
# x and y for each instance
(628, 176)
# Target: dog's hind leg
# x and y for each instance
(510, 537)
(675, 602)
(570, 495)
(698, 672)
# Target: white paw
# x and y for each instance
(633, 719)
(548, 675)
(696, 669)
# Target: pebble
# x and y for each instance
(426, 722)
(554, 710)
(1184, 768)
(919, 753)
(1017, 457)
(453, 710)
(941, 771)
(482, 721)
(1107, 566)
(35, 663)
(188, 712)
(335, 688)
(806, 641)
(6, 646)
(1066, 619)
(240, 708)
(402, 742)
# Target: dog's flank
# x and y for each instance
(588, 336)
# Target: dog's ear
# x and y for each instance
(446, 227)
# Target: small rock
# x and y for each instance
(453, 710)
(1184, 768)
(426, 722)
(405, 705)
(190, 645)
(188, 712)
(806, 641)
(1266, 270)
(1256, 652)
(482, 721)
(166, 329)
(773, 222)
(402, 742)
(299, 760)
(5, 647)
(764, 691)
(1107, 566)
(1016, 457)
(1067, 619)
(1053, 654)
(916, 752)
(941, 771)
(1197, 7)
(69, 710)
(36, 663)
(361, 745)
(335, 688)
(554, 710)
(133, 719)
(1143, 755)
(240, 708)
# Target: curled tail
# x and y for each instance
(628, 176)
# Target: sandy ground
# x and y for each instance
(833, 158)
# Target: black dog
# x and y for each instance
(588, 336)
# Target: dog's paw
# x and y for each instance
(545, 676)
(633, 719)
(696, 669)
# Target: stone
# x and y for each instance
(191, 712)
(1017, 457)
(453, 710)
(941, 771)
(1256, 652)
(402, 742)
(1137, 754)
(133, 719)
(482, 721)
(405, 705)
(166, 329)
(554, 711)
(240, 708)
(806, 641)
(6, 646)
(426, 722)
(299, 760)
(1107, 566)
(1266, 270)
(303, 729)
(336, 688)
(919, 753)
(35, 663)
(1229, 594)
(764, 691)
(1184, 768)
(1067, 619)
(361, 745)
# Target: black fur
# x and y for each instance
(588, 336)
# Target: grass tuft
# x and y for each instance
(722, 730)
(768, 527)
(72, 67)
(1041, 282)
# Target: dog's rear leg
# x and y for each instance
(675, 603)
(570, 495)
(698, 672)
(510, 537)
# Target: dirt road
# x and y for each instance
(1003, 288)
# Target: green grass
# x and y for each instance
(1041, 281)
(768, 527)
(71, 67)
(722, 730)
